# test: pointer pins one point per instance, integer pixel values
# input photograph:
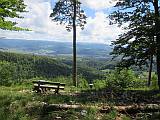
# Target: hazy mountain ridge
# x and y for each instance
(54, 48)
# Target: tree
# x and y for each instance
(69, 12)
(11, 9)
(157, 29)
(150, 71)
(142, 39)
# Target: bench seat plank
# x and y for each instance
(48, 82)
(48, 86)
(43, 86)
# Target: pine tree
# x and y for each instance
(69, 12)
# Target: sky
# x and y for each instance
(97, 29)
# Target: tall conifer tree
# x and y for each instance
(69, 12)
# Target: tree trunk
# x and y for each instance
(158, 67)
(150, 71)
(74, 47)
(130, 109)
(157, 25)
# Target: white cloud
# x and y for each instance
(37, 19)
(99, 4)
(97, 28)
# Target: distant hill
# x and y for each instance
(25, 66)
(52, 48)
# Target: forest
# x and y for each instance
(86, 82)
(16, 67)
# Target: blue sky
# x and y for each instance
(97, 29)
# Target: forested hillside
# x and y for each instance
(17, 67)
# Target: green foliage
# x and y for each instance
(19, 103)
(89, 73)
(154, 81)
(124, 117)
(12, 104)
(110, 116)
(65, 115)
(83, 84)
(25, 66)
(11, 9)
(138, 44)
(88, 68)
(7, 73)
(63, 79)
(99, 84)
(121, 79)
(141, 42)
(17, 67)
(63, 13)
(91, 114)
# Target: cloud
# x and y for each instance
(37, 19)
(99, 4)
(97, 28)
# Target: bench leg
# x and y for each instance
(45, 89)
(56, 91)
(37, 89)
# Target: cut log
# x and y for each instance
(133, 109)
(56, 107)
(130, 109)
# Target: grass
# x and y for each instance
(12, 103)
(18, 102)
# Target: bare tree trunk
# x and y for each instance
(150, 71)
(157, 25)
(129, 109)
(158, 67)
(74, 47)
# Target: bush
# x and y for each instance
(83, 84)
(98, 84)
(7, 73)
(121, 79)
(154, 80)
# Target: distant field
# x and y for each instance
(54, 48)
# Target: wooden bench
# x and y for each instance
(43, 86)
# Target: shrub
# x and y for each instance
(121, 79)
(7, 73)
(98, 84)
(83, 84)
(154, 79)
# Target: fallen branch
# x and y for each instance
(130, 109)
(133, 109)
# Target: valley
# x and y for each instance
(53, 48)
